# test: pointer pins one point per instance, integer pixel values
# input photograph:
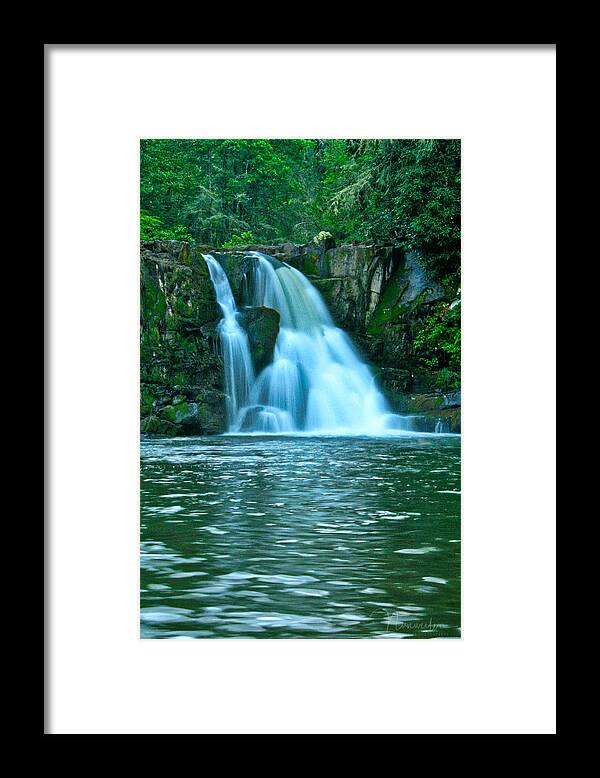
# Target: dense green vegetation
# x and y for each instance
(404, 193)
(438, 345)
(218, 189)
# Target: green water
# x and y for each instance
(300, 537)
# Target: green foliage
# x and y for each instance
(402, 192)
(216, 188)
(152, 228)
(245, 239)
(437, 345)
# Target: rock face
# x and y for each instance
(451, 400)
(262, 326)
(434, 407)
(378, 294)
(180, 368)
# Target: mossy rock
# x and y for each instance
(311, 267)
(262, 326)
(328, 287)
(452, 400)
(388, 307)
(205, 417)
(147, 400)
(345, 300)
(181, 413)
(425, 403)
(184, 252)
(407, 289)
(152, 425)
(346, 261)
(452, 417)
(394, 379)
(211, 413)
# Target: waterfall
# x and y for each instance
(237, 360)
(442, 426)
(317, 382)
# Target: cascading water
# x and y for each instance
(317, 382)
(441, 426)
(239, 372)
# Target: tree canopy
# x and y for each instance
(222, 192)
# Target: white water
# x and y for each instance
(239, 372)
(317, 382)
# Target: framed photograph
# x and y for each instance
(293, 296)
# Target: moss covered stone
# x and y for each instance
(181, 413)
(177, 303)
(262, 326)
(147, 400)
(452, 417)
(152, 425)
(425, 403)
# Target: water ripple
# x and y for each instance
(300, 537)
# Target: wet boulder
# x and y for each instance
(152, 425)
(451, 400)
(450, 417)
(262, 327)
(182, 413)
(211, 411)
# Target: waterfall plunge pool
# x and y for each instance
(255, 536)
